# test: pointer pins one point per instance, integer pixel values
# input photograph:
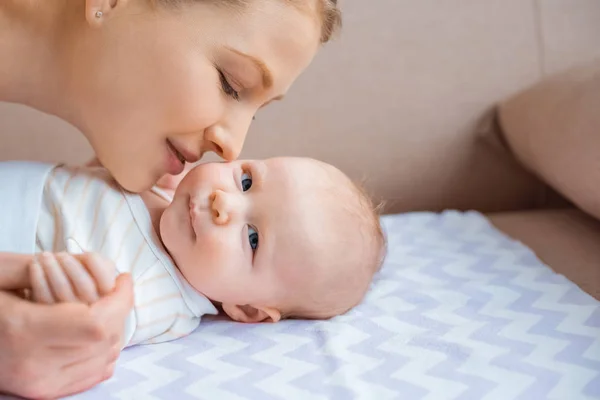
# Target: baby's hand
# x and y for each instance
(62, 277)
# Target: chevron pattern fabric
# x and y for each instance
(459, 311)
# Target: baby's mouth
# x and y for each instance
(199, 209)
(193, 215)
(195, 206)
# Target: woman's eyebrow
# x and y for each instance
(267, 76)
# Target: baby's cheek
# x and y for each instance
(223, 257)
(214, 248)
(200, 252)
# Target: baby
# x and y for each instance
(261, 240)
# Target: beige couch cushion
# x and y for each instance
(565, 240)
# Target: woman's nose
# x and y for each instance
(227, 143)
(224, 206)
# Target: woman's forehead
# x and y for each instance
(279, 36)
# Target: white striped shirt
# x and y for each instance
(84, 210)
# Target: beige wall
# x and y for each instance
(397, 98)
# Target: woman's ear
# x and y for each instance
(251, 314)
(96, 11)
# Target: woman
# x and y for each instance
(152, 84)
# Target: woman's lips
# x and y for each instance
(175, 161)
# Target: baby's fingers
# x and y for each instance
(102, 270)
(81, 280)
(40, 291)
(57, 278)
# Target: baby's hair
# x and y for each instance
(327, 11)
(353, 250)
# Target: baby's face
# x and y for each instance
(240, 232)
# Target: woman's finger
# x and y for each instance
(59, 283)
(41, 292)
(81, 281)
(68, 325)
(112, 310)
(85, 375)
(78, 386)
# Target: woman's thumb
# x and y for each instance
(124, 289)
(119, 302)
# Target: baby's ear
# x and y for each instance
(251, 314)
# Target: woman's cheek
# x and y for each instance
(194, 102)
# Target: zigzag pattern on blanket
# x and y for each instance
(459, 311)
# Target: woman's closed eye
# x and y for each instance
(226, 86)
(253, 238)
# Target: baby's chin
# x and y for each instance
(171, 230)
(167, 243)
(163, 226)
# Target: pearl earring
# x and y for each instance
(98, 14)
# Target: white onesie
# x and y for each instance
(53, 208)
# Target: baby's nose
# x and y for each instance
(222, 207)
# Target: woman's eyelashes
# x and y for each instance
(227, 88)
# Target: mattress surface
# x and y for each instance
(458, 311)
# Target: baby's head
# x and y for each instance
(272, 239)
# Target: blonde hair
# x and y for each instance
(351, 248)
(326, 10)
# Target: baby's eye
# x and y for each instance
(246, 181)
(253, 238)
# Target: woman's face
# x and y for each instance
(156, 87)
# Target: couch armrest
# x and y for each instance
(565, 240)
(553, 128)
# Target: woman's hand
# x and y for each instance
(49, 351)
(62, 277)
